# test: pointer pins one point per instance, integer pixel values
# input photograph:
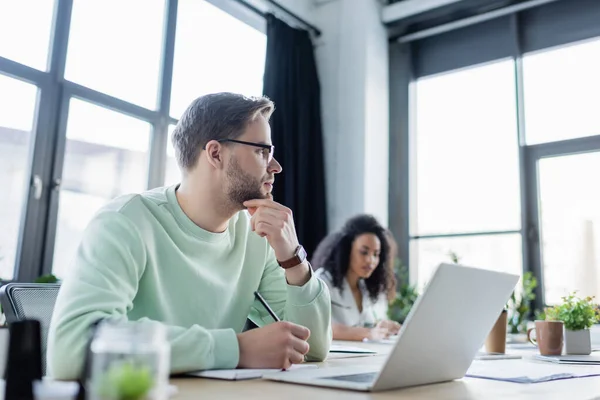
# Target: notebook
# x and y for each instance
(336, 348)
(242, 374)
(572, 359)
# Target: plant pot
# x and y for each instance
(578, 342)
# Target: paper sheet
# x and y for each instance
(573, 359)
(336, 348)
(496, 356)
(390, 340)
(335, 356)
(243, 374)
(523, 371)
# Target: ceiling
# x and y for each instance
(448, 12)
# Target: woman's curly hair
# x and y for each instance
(333, 254)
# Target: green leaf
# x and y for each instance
(406, 294)
(519, 307)
(49, 278)
(577, 313)
(127, 381)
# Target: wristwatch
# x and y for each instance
(299, 258)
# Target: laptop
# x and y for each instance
(439, 339)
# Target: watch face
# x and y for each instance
(302, 253)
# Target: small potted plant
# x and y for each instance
(578, 315)
(126, 381)
(406, 295)
(519, 306)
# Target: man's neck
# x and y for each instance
(205, 209)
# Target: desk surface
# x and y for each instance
(466, 388)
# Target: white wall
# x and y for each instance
(352, 61)
(352, 57)
(377, 109)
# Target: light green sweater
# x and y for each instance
(142, 258)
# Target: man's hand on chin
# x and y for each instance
(276, 222)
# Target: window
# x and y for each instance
(17, 113)
(106, 156)
(106, 139)
(570, 225)
(467, 167)
(561, 93)
(115, 48)
(214, 52)
(25, 31)
(467, 152)
(172, 172)
(503, 152)
(495, 252)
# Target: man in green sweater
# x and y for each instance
(190, 256)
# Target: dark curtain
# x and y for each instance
(291, 81)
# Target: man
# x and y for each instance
(191, 256)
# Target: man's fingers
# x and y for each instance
(296, 358)
(299, 331)
(266, 203)
(266, 222)
(264, 229)
(261, 218)
(299, 345)
(286, 363)
(269, 214)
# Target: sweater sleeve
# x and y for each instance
(102, 283)
(308, 305)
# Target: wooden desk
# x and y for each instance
(466, 388)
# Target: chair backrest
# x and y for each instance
(30, 301)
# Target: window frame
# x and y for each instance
(37, 233)
(404, 68)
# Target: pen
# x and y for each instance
(264, 303)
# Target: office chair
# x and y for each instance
(30, 301)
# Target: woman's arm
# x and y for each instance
(356, 333)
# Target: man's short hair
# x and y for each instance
(215, 116)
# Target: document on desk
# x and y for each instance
(496, 356)
(242, 374)
(336, 348)
(522, 371)
(389, 340)
(573, 359)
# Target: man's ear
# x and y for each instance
(214, 154)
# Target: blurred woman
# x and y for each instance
(353, 262)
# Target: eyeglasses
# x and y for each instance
(268, 149)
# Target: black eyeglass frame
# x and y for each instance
(269, 147)
(261, 145)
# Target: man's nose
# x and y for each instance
(274, 167)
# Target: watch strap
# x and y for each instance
(298, 258)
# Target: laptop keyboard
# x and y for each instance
(361, 378)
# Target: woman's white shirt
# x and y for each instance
(343, 306)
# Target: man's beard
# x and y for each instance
(242, 186)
